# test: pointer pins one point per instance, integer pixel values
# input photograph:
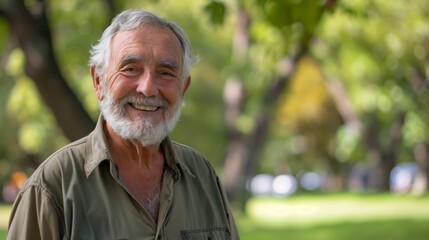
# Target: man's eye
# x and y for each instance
(129, 69)
(167, 73)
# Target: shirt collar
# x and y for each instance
(174, 161)
(98, 151)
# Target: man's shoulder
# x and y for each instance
(69, 153)
(187, 153)
(64, 160)
(182, 148)
(192, 159)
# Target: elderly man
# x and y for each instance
(127, 179)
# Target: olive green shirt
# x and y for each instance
(77, 194)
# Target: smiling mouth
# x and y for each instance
(144, 107)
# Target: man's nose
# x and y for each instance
(147, 84)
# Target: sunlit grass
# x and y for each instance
(336, 216)
(396, 229)
(313, 209)
(4, 218)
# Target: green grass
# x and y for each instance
(4, 218)
(336, 216)
(397, 229)
(326, 217)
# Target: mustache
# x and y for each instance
(141, 100)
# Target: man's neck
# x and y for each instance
(140, 168)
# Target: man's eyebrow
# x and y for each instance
(168, 64)
(132, 58)
(138, 58)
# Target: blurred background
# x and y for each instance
(313, 112)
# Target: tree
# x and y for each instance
(261, 17)
(30, 27)
(369, 66)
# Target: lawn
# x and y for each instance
(4, 217)
(336, 216)
(326, 217)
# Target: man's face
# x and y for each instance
(142, 93)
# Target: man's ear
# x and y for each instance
(96, 82)
(186, 85)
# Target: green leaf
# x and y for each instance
(216, 12)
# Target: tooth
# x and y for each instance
(144, 108)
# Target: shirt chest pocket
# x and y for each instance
(206, 234)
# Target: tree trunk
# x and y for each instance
(421, 155)
(234, 99)
(268, 106)
(34, 37)
(392, 151)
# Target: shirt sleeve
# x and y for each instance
(232, 225)
(35, 216)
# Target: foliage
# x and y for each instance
(376, 61)
(216, 11)
(305, 124)
(74, 32)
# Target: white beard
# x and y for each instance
(142, 129)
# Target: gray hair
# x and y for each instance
(132, 19)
